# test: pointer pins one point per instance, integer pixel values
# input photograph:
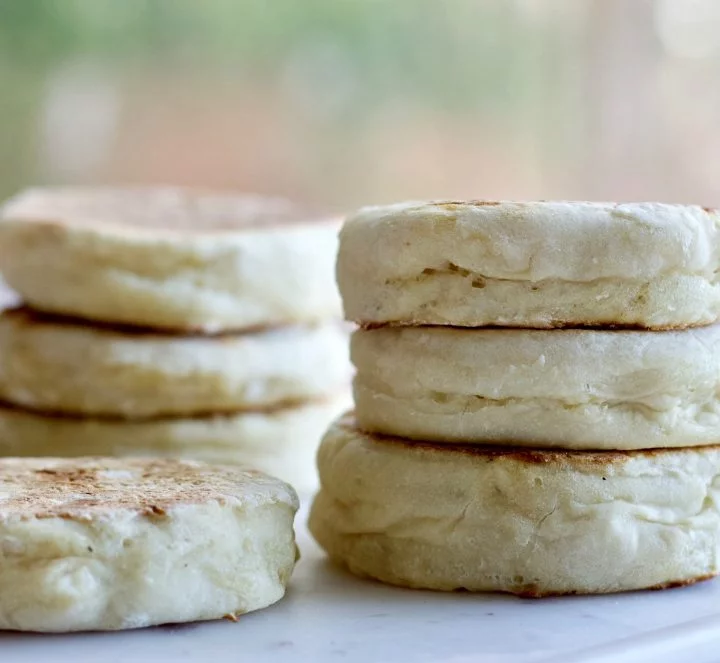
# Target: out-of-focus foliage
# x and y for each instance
(346, 101)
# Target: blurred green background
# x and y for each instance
(345, 102)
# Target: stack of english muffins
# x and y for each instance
(537, 398)
(169, 322)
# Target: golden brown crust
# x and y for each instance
(454, 204)
(450, 204)
(599, 325)
(216, 413)
(535, 455)
(28, 316)
(31, 317)
(84, 488)
(532, 591)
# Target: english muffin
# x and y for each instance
(529, 522)
(104, 544)
(537, 264)
(169, 258)
(571, 388)
(60, 365)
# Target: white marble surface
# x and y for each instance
(329, 616)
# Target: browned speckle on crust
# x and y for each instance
(535, 455)
(154, 510)
(83, 488)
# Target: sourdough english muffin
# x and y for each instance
(529, 522)
(104, 544)
(538, 264)
(52, 364)
(571, 388)
(168, 257)
(282, 442)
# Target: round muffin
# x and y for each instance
(282, 442)
(104, 544)
(538, 264)
(169, 258)
(529, 522)
(569, 388)
(54, 364)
